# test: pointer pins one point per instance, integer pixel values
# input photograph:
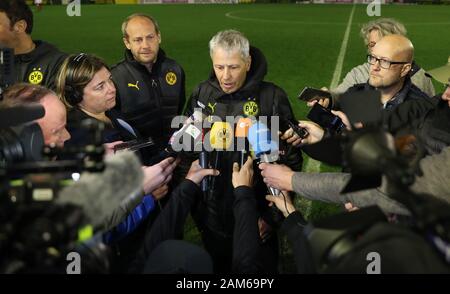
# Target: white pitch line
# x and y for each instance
(341, 56)
(232, 16)
(311, 164)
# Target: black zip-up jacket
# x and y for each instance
(40, 66)
(215, 213)
(147, 100)
(409, 104)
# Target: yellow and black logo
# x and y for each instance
(212, 107)
(251, 108)
(131, 85)
(171, 78)
(36, 76)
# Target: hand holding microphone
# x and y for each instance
(278, 176)
(196, 173)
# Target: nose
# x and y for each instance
(376, 66)
(66, 136)
(227, 73)
(111, 86)
(146, 43)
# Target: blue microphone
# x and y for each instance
(264, 148)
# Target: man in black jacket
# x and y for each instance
(36, 62)
(236, 88)
(150, 86)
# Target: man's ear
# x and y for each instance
(249, 63)
(159, 38)
(405, 70)
(126, 42)
(20, 26)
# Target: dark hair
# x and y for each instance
(22, 93)
(17, 10)
(75, 73)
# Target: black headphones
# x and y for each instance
(73, 94)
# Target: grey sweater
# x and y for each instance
(327, 186)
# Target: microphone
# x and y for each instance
(203, 161)
(264, 148)
(189, 131)
(221, 138)
(241, 134)
(107, 197)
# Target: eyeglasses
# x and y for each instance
(386, 64)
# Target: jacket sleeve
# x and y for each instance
(131, 221)
(326, 187)
(246, 246)
(170, 222)
(293, 227)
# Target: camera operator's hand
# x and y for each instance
(196, 173)
(283, 202)
(315, 132)
(278, 176)
(244, 176)
(158, 174)
(160, 192)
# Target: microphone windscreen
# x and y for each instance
(221, 136)
(242, 127)
(100, 194)
(259, 138)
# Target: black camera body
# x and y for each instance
(6, 68)
(36, 234)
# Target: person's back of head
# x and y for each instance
(383, 27)
(23, 94)
(53, 124)
(16, 11)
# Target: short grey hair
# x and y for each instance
(230, 41)
(386, 26)
(150, 18)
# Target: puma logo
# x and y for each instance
(130, 85)
(212, 106)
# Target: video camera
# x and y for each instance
(342, 243)
(35, 233)
(6, 68)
